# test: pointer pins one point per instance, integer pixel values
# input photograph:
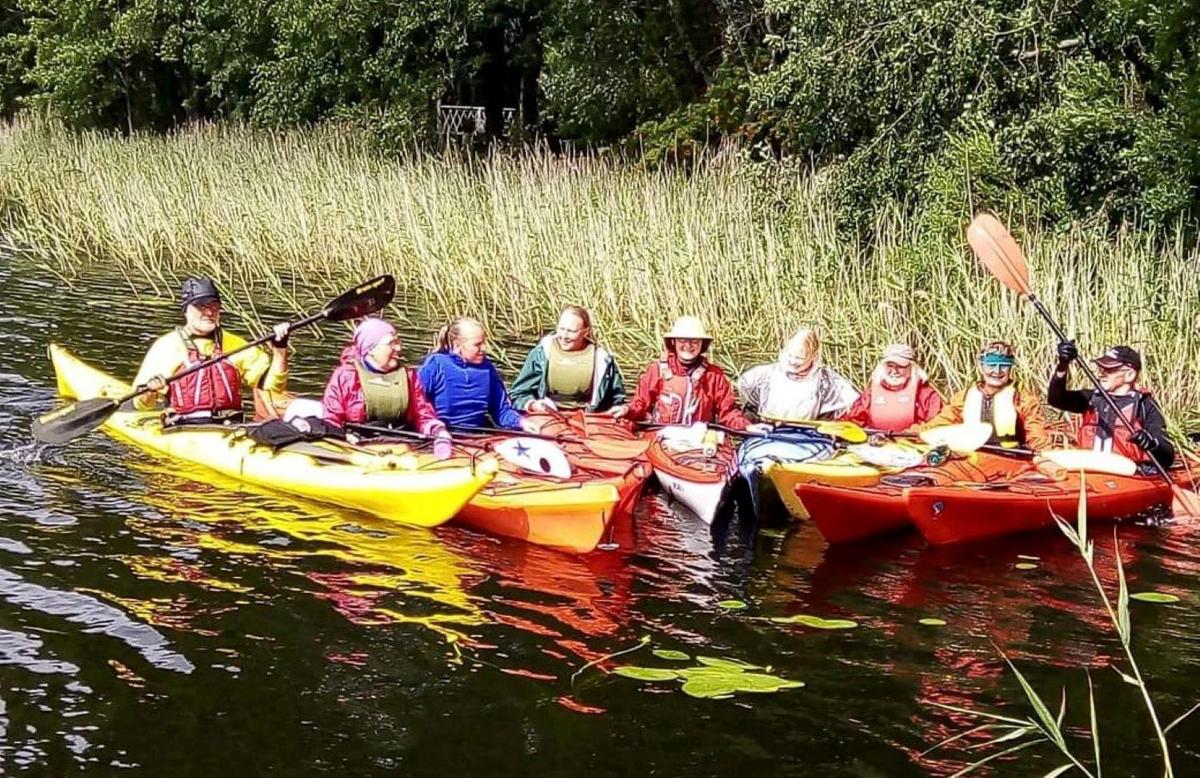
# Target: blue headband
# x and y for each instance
(992, 359)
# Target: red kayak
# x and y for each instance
(844, 514)
(1029, 502)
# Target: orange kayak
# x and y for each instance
(845, 514)
(1029, 502)
(694, 477)
(574, 514)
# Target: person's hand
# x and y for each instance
(760, 428)
(1144, 440)
(879, 438)
(544, 405)
(530, 426)
(443, 446)
(156, 384)
(619, 411)
(1068, 352)
(279, 335)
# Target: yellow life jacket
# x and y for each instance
(569, 375)
(1000, 412)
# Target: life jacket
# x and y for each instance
(1100, 430)
(1000, 412)
(678, 395)
(893, 410)
(569, 375)
(385, 394)
(210, 390)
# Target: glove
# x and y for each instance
(619, 412)
(1144, 440)
(760, 428)
(279, 336)
(1068, 352)
(443, 447)
(156, 384)
(543, 405)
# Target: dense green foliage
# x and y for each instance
(1073, 108)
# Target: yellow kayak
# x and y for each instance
(846, 468)
(395, 484)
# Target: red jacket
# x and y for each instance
(927, 405)
(344, 400)
(711, 395)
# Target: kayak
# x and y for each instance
(692, 466)
(847, 513)
(396, 483)
(757, 454)
(854, 466)
(1029, 502)
(573, 514)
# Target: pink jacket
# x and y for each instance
(344, 400)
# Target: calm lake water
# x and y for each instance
(162, 621)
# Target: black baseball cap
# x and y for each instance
(1118, 356)
(198, 290)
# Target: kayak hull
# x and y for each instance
(574, 515)
(960, 514)
(698, 480)
(396, 484)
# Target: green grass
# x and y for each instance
(294, 217)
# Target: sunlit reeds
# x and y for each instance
(292, 217)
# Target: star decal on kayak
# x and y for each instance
(521, 449)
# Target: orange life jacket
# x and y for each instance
(894, 410)
(215, 388)
(1097, 435)
(678, 395)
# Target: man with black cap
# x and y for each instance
(214, 393)
(1118, 370)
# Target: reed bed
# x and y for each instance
(294, 217)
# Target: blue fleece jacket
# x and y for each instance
(465, 395)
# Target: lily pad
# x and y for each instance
(1155, 597)
(933, 622)
(725, 664)
(816, 622)
(675, 656)
(1025, 566)
(732, 605)
(646, 673)
(715, 683)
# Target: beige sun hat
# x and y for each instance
(687, 327)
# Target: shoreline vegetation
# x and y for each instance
(752, 248)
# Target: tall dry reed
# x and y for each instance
(296, 216)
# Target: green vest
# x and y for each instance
(385, 394)
(569, 375)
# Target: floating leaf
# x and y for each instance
(709, 687)
(816, 622)
(714, 683)
(732, 605)
(1030, 558)
(933, 622)
(646, 673)
(725, 664)
(1155, 597)
(666, 653)
(1025, 566)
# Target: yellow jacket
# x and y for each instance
(169, 352)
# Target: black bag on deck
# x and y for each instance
(277, 433)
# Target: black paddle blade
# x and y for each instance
(71, 421)
(363, 300)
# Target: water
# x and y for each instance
(160, 620)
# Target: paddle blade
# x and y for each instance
(959, 438)
(363, 300)
(845, 430)
(994, 245)
(534, 455)
(1185, 503)
(71, 421)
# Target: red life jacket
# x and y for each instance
(894, 410)
(215, 388)
(678, 395)
(1118, 440)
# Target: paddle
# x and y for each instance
(527, 452)
(607, 448)
(844, 430)
(1002, 257)
(71, 421)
